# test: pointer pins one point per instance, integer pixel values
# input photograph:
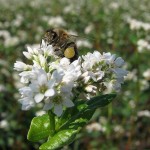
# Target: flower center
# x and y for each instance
(57, 99)
(43, 88)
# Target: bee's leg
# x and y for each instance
(72, 44)
(58, 52)
(41, 44)
(54, 41)
(63, 45)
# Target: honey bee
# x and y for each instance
(63, 43)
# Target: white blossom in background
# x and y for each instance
(144, 85)
(132, 104)
(4, 124)
(55, 82)
(132, 75)
(2, 88)
(146, 74)
(95, 127)
(56, 21)
(18, 20)
(69, 9)
(144, 113)
(119, 129)
(84, 43)
(8, 39)
(137, 25)
(89, 28)
(114, 5)
(143, 45)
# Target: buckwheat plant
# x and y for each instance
(68, 92)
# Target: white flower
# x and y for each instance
(57, 75)
(132, 75)
(42, 86)
(146, 74)
(89, 28)
(62, 98)
(84, 43)
(58, 104)
(95, 127)
(42, 60)
(137, 25)
(72, 73)
(143, 113)
(27, 103)
(4, 124)
(47, 50)
(143, 45)
(54, 82)
(91, 67)
(56, 21)
(27, 100)
(31, 52)
(90, 59)
(26, 76)
(20, 66)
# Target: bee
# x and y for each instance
(63, 43)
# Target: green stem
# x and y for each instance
(52, 122)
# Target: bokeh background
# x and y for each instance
(118, 26)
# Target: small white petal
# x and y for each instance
(20, 66)
(119, 62)
(68, 103)
(50, 92)
(42, 79)
(120, 72)
(51, 83)
(57, 76)
(29, 49)
(38, 97)
(42, 60)
(58, 110)
(48, 106)
(27, 55)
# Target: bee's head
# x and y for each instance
(50, 34)
(61, 33)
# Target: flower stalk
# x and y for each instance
(52, 122)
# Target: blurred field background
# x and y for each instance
(119, 26)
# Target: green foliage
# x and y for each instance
(39, 128)
(81, 114)
(121, 125)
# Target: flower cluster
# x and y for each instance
(57, 83)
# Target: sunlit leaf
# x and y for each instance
(39, 128)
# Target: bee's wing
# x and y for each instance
(73, 37)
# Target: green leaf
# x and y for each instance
(68, 113)
(81, 113)
(60, 139)
(39, 128)
(84, 105)
(100, 101)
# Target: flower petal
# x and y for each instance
(119, 62)
(38, 97)
(42, 79)
(58, 109)
(48, 106)
(50, 92)
(68, 103)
